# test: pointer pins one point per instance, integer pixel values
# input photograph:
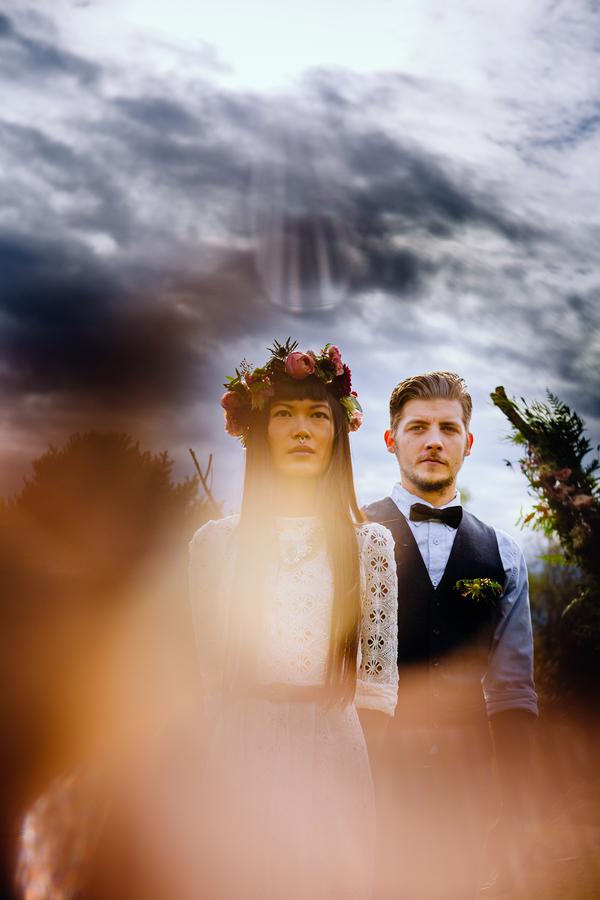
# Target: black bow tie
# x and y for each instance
(451, 516)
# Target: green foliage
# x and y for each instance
(466, 496)
(566, 489)
(560, 437)
(551, 587)
(283, 350)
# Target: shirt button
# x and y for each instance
(434, 583)
(436, 540)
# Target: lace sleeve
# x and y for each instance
(207, 553)
(377, 678)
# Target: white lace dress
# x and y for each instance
(288, 783)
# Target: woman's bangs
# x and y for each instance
(301, 389)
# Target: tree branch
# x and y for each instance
(508, 407)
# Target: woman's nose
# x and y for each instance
(300, 424)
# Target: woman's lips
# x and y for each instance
(302, 451)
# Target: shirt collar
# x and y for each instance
(404, 500)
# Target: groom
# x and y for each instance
(465, 660)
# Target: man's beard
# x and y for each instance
(430, 486)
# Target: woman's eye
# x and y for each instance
(320, 415)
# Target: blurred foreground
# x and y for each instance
(104, 745)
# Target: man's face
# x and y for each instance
(430, 442)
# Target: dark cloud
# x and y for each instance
(36, 58)
(301, 173)
(578, 355)
(157, 113)
(574, 127)
(406, 188)
(70, 170)
(74, 327)
(201, 162)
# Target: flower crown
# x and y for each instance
(250, 388)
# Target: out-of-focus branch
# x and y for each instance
(203, 476)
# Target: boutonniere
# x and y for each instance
(485, 591)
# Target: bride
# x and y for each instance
(294, 606)
(295, 616)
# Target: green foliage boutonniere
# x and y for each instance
(482, 590)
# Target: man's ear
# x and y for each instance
(388, 437)
(469, 444)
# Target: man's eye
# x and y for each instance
(416, 428)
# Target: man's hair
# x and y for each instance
(430, 386)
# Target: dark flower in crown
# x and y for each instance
(341, 385)
(251, 388)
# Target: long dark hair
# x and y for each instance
(338, 510)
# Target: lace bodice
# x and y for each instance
(294, 644)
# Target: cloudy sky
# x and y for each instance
(414, 180)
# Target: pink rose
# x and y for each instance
(583, 501)
(335, 357)
(356, 421)
(299, 365)
(231, 400)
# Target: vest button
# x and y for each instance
(437, 603)
(436, 630)
(435, 661)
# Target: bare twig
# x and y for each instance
(203, 476)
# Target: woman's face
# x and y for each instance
(300, 435)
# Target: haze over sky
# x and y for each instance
(416, 181)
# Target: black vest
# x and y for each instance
(442, 636)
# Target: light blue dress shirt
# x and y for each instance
(508, 682)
